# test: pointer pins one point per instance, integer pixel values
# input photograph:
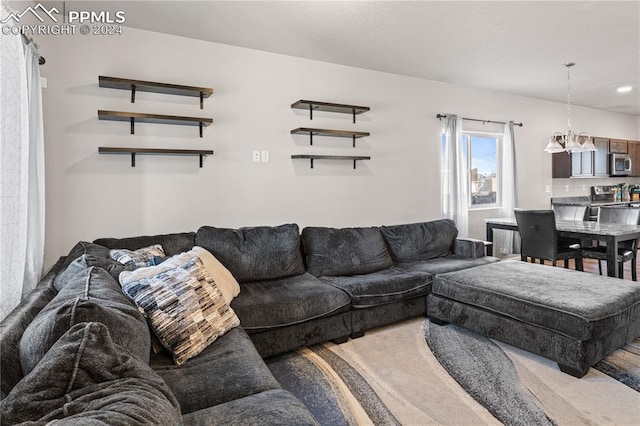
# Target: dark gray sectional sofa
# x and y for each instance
(297, 289)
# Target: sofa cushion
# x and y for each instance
(420, 241)
(14, 325)
(140, 258)
(171, 243)
(184, 306)
(113, 267)
(273, 407)
(81, 248)
(229, 369)
(263, 305)
(345, 251)
(91, 296)
(86, 378)
(441, 265)
(253, 254)
(577, 304)
(382, 287)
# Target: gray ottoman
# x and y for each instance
(573, 318)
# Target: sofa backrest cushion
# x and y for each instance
(420, 241)
(81, 248)
(113, 267)
(345, 251)
(92, 295)
(254, 254)
(87, 378)
(171, 243)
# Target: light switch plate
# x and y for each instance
(256, 156)
(265, 156)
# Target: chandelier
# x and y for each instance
(569, 141)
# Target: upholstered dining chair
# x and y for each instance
(569, 212)
(540, 239)
(627, 250)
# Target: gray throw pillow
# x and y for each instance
(420, 241)
(92, 295)
(254, 254)
(86, 378)
(345, 251)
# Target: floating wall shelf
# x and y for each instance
(332, 157)
(154, 87)
(326, 132)
(329, 107)
(133, 151)
(134, 117)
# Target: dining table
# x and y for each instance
(610, 233)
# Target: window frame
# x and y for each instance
(499, 141)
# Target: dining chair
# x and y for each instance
(570, 212)
(540, 239)
(627, 250)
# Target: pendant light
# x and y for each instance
(570, 141)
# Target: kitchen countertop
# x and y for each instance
(586, 200)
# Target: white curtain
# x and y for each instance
(21, 170)
(506, 240)
(455, 177)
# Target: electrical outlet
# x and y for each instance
(566, 188)
(256, 156)
(547, 189)
(265, 156)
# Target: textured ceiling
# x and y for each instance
(510, 46)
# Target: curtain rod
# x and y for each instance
(441, 116)
(28, 40)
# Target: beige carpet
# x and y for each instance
(398, 366)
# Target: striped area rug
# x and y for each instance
(391, 376)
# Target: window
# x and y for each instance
(482, 151)
(483, 159)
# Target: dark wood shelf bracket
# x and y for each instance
(133, 93)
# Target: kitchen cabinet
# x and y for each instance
(601, 157)
(633, 148)
(582, 164)
(591, 163)
(561, 165)
(618, 146)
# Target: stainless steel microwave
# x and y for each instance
(620, 165)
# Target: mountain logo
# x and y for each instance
(34, 11)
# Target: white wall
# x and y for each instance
(91, 195)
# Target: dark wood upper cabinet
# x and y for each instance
(561, 165)
(618, 146)
(582, 164)
(634, 152)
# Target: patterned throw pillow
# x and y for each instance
(137, 258)
(185, 308)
